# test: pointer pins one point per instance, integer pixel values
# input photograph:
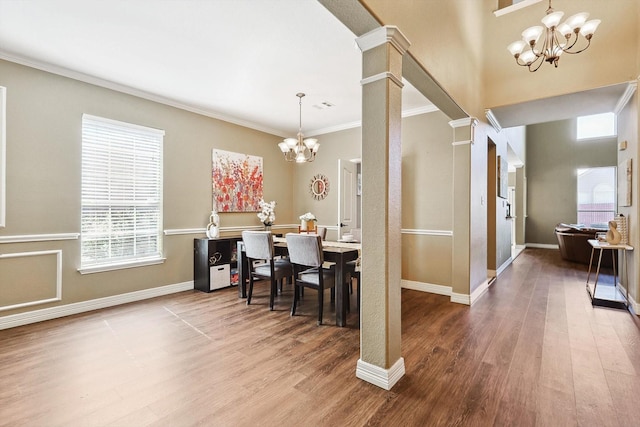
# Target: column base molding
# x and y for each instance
(383, 378)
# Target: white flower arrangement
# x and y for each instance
(268, 213)
(308, 217)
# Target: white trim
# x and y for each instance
(493, 120)
(39, 237)
(383, 378)
(3, 156)
(120, 266)
(626, 96)
(126, 125)
(65, 72)
(479, 292)
(460, 298)
(422, 232)
(382, 76)
(426, 287)
(514, 7)
(504, 265)
(382, 35)
(405, 113)
(58, 297)
(467, 142)
(180, 231)
(26, 318)
(541, 246)
(465, 121)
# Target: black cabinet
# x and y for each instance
(215, 263)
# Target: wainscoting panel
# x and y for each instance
(39, 281)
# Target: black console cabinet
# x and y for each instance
(214, 263)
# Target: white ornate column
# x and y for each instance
(380, 361)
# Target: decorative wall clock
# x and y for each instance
(319, 186)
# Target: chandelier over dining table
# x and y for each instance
(556, 39)
(299, 149)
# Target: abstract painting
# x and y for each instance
(237, 181)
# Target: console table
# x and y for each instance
(606, 295)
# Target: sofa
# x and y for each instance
(574, 245)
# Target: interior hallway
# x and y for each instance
(532, 351)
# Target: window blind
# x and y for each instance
(121, 218)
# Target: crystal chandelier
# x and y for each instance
(558, 38)
(299, 149)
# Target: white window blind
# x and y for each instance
(121, 193)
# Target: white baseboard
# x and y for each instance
(34, 316)
(426, 287)
(506, 264)
(541, 246)
(383, 378)
(479, 292)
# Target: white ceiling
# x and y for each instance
(242, 61)
(239, 60)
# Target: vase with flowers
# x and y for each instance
(307, 222)
(267, 215)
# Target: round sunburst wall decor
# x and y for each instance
(319, 186)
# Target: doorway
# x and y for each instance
(349, 185)
(492, 185)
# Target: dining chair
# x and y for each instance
(262, 263)
(353, 272)
(305, 254)
(322, 232)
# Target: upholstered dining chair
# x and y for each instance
(259, 249)
(305, 254)
(322, 232)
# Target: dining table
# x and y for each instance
(338, 253)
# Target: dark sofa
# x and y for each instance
(572, 240)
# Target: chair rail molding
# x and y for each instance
(27, 238)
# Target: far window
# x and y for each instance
(596, 196)
(596, 126)
(121, 220)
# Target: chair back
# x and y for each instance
(305, 249)
(322, 232)
(258, 244)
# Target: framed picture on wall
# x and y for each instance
(503, 177)
(236, 181)
(624, 183)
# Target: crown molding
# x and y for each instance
(379, 36)
(626, 96)
(107, 84)
(493, 120)
(465, 121)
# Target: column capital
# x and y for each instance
(387, 34)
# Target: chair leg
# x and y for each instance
(272, 293)
(250, 293)
(320, 304)
(296, 293)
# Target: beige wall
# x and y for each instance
(44, 113)
(553, 155)
(426, 192)
(333, 146)
(451, 53)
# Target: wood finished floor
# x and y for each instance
(531, 352)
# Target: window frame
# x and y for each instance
(128, 132)
(594, 137)
(615, 193)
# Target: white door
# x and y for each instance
(347, 209)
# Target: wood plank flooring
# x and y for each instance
(531, 352)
